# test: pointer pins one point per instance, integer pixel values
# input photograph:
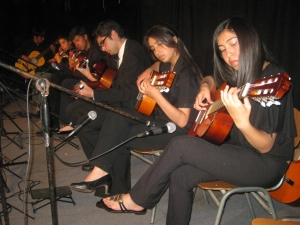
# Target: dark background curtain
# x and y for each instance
(277, 21)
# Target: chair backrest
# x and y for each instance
(297, 121)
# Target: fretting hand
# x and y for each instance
(238, 110)
(146, 88)
(145, 75)
(86, 72)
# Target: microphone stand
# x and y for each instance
(66, 139)
(140, 135)
(43, 87)
(88, 160)
(3, 197)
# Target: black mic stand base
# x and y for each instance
(43, 194)
(9, 207)
(3, 131)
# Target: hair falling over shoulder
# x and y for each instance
(165, 33)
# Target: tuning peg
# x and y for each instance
(271, 102)
(277, 103)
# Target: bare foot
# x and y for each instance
(66, 128)
(127, 201)
(95, 174)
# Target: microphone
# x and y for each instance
(43, 85)
(55, 66)
(168, 128)
(91, 116)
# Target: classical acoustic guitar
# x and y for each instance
(36, 60)
(214, 123)
(103, 73)
(162, 81)
(289, 191)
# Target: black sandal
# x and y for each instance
(119, 198)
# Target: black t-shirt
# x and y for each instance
(29, 47)
(183, 91)
(277, 119)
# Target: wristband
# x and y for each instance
(203, 84)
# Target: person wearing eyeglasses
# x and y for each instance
(130, 60)
(170, 55)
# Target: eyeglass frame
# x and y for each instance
(102, 42)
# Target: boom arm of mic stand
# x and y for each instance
(25, 74)
(87, 161)
(114, 148)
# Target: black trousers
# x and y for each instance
(66, 99)
(89, 134)
(188, 161)
(117, 129)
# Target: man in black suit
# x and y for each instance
(131, 60)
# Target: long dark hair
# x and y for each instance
(165, 33)
(253, 54)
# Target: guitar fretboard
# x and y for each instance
(219, 104)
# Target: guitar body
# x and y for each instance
(146, 104)
(161, 81)
(99, 68)
(36, 60)
(214, 123)
(289, 191)
(106, 80)
(108, 76)
(30, 68)
(216, 126)
(39, 61)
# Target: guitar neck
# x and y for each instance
(45, 51)
(215, 107)
(219, 104)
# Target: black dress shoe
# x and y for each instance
(87, 167)
(88, 187)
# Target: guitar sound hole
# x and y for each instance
(34, 61)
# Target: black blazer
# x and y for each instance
(135, 61)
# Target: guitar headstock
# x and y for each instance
(267, 90)
(162, 81)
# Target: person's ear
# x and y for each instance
(113, 34)
(175, 39)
